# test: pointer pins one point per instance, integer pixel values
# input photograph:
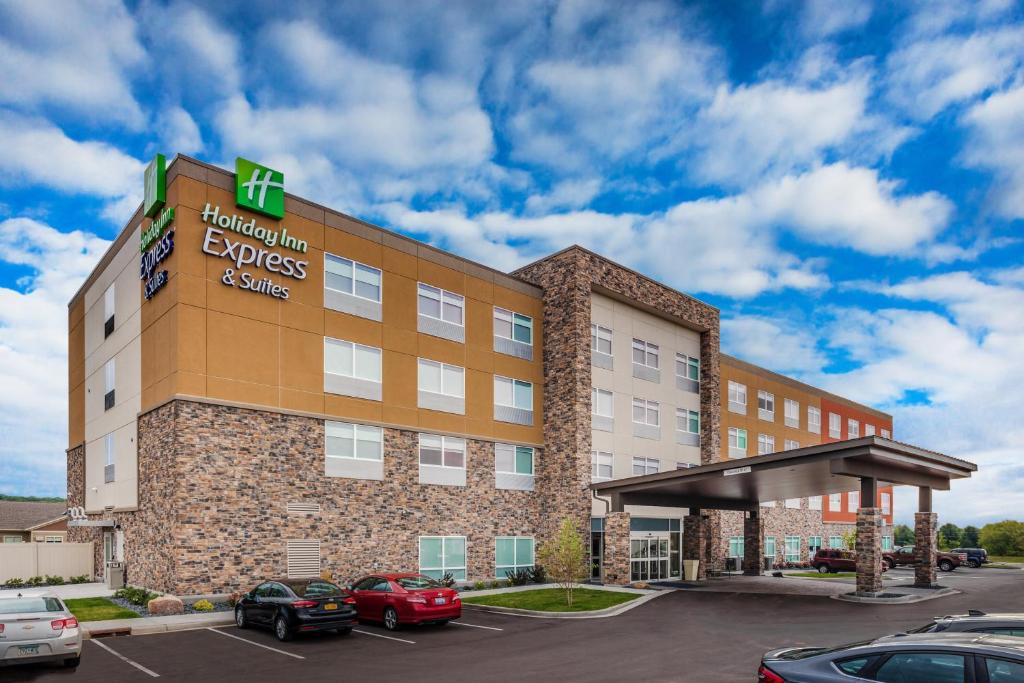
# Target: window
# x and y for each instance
(600, 402)
(442, 451)
(13, 539)
(852, 667)
(514, 393)
(791, 445)
(814, 419)
(737, 397)
(109, 307)
(442, 554)
(349, 359)
(645, 353)
(352, 278)
(646, 412)
(1003, 671)
(792, 548)
(765, 444)
(835, 426)
(793, 503)
(920, 666)
(600, 466)
(108, 385)
(869, 430)
(53, 539)
(886, 434)
(852, 429)
(813, 544)
(814, 503)
(645, 465)
(886, 543)
(687, 421)
(353, 441)
(836, 543)
(513, 459)
(512, 553)
(685, 465)
(769, 546)
(441, 378)
(835, 502)
(600, 339)
(687, 367)
(737, 442)
(766, 405)
(110, 456)
(886, 503)
(441, 304)
(852, 501)
(735, 546)
(792, 415)
(514, 326)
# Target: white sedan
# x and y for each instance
(37, 628)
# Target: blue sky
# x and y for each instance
(845, 181)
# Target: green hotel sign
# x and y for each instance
(259, 188)
(155, 181)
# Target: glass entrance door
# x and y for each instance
(649, 558)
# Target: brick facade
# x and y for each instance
(616, 569)
(869, 551)
(753, 533)
(695, 542)
(925, 550)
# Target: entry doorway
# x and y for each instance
(650, 557)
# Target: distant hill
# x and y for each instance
(31, 499)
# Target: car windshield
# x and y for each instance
(314, 589)
(805, 652)
(28, 605)
(414, 582)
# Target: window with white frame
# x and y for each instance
(835, 502)
(814, 503)
(512, 553)
(687, 367)
(852, 501)
(645, 465)
(645, 353)
(349, 359)
(600, 465)
(600, 339)
(441, 378)
(353, 441)
(513, 393)
(793, 503)
(687, 421)
(737, 397)
(441, 304)
(765, 444)
(601, 402)
(836, 543)
(886, 434)
(814, 420)
(886, 504)
(852, 429)
(510, 459)
(440, 555)
(737, 442)
(108, 385)
(735, 546)
(108, 448)
(835, 426)
(646, 412)
(442, 451)
(109, 308)
(791, 445)
(769, 546)
(514, 326)
(766, 405)
(886, 543)
(869, 429)
(792, 548)
(352, 278)
(792, 414)
(813, 545)
(53, 539)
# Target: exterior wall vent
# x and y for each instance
(303, 508)
(303, 558)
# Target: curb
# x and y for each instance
(905, 599)
(594, 614)
(148, 625)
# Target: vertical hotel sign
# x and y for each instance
(157, 241)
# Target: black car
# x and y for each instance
(975, 621)
(975, 556)
(289, 606)
(902, 658)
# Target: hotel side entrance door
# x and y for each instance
(649, 557)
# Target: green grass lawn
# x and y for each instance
(1016, 559)
(98, 609)
(553, 599)
(816, 575)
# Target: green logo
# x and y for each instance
(155, 180)
(259, 188)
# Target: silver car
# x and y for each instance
(38, 628)
(1004, 624)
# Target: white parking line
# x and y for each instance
(462, 623)
(246, 640)
(379, 635)
(125, 659)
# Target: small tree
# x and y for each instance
(969, 537)
(902, 535)
(949, 536)
(564, 558)
(850, 539)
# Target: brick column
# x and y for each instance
(753, 533)
(869, 551)
(925, 527)
(694, 542)
(615, 568)
(714, 551)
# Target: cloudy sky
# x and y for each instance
(845, 181)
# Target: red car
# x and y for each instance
(400, 599)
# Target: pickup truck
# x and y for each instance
(829, 560)
(904, 555)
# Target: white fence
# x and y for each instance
(25, 560)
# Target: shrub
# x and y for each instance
(498, 584)
(518, 577)
(34, 581)
(136, 596)
(448, 580)
(565, 557)
(202, 606)
(479, 585)
(82, 578)
(13, 583)
(538, 575)
(55, 580)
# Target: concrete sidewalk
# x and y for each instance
(69, 591)
(144, 625)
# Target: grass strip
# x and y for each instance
(98, 609)
(553, 599)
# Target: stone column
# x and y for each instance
(694, 542)
(869, 551)
(714, 545)
(615, 568)
(925, 527)
(753, 533)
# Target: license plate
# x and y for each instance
(29, 649)
(439, 601)
(331, 605)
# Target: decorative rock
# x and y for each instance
(165, 605)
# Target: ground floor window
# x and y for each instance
(512, 553)
(769, 546)
(440, 555)
(792, 548)
(836, 543)
(813, 544)
(54, 539)
(596, 546)
(12, 539)
(886, 543)
(735, 546)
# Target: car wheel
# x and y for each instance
(443, 622)
(892, 565)
(823, 569)
(973, 564)
(72, 663)
(344, 631)
(240, 620)
(390, 619)
(281, 629)
(946, 566)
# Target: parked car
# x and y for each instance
(38, 628)
(1005, 624)
(908, 658)
(975, 556)
(290, 606)
(830, 560)
(904, 555)
(399, 599)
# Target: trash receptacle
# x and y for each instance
(690, 569)
(115, 575)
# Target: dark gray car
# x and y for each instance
(1005, 624)
(902, 658)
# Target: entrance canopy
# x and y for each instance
(743, 483)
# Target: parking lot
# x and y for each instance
(687, 635)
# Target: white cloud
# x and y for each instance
(179, 131)
(567, 194)
(773, 343)
(996, 144)
(825, 18)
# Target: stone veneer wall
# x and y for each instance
(616, 569)
(869, 551)
(780, 522)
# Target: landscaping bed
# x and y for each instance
(553, 599)
(99, 609)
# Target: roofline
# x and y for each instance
(56, 519)
(726, 359)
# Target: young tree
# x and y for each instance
(949, 536)
(564, 558)
(902, 535)
(1003, 538)
(969, 538)
(850, 539)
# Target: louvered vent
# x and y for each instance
(300, 508)
(303, 559)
